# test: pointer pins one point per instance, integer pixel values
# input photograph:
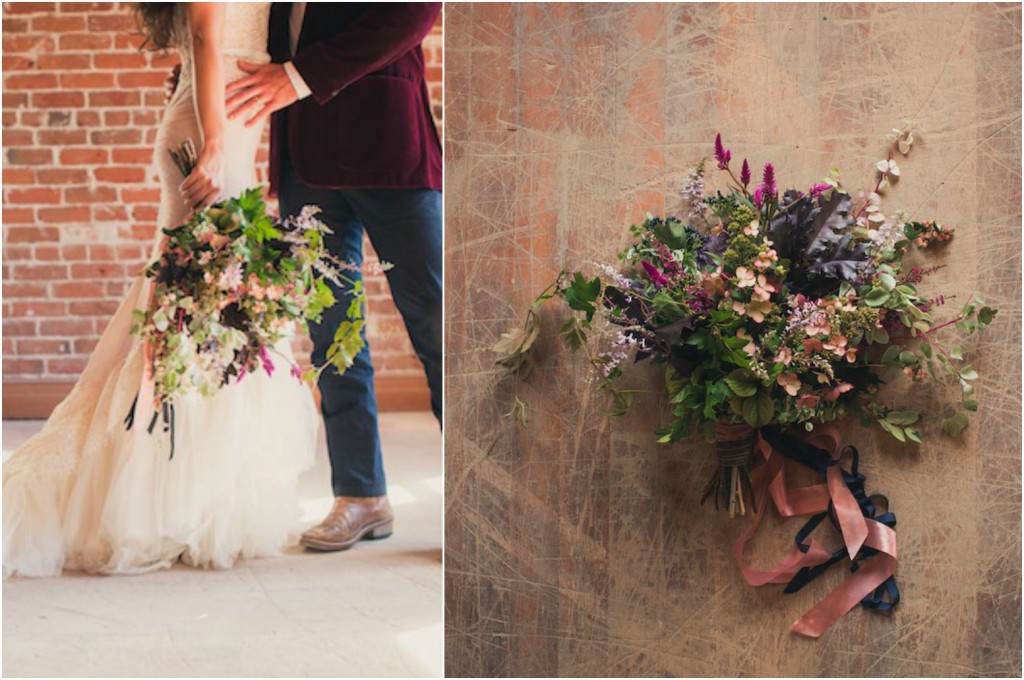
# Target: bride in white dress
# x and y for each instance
(87, 494)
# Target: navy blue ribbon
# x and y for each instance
(886, 596)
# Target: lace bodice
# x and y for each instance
(245, 32)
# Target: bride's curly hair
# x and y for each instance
(156, 20)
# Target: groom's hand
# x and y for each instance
(266, 89)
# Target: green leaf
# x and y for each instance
(876, 297)
(968, 373)
(926, 350)
(758, 411)
(971, 404)
(348, 342)
(672, 233)
(574, 333)
(674, 382)
(679, 429)
(912, 434)
(622, 401)
(742, 383)
(955, 425)
(896, 432)
(887, 281)
(903, 417)
(581, 294)
(986, 315)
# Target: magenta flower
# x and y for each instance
(296, 372)
(656, 277)
(722, 155)
(818, 189)
(758, 197)
(268, 365)
(745, 173)
(768, 181)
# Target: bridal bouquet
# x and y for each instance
(769, 308)
(231, 283)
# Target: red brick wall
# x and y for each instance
(81, 106)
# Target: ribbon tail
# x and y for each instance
(851, 520)
(857, 586)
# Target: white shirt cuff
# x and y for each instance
(301, 89)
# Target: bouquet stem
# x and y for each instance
(731, 480)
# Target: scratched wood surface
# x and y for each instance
(575, 545)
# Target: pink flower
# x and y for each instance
(763, 289)
(785, 356)
(231, 278)
(818, 326)
(807, 401)
(722, 155)
(745, 173)
(789, 382)
(255, 288)
(268, 365)
(751, 229)
(755, 309)
(837, 344)
(812, 345)
(656, 277)
(818, 189)
(750, 348)
(839, 389)
(745, 278)
(767, 259)
(768, 182)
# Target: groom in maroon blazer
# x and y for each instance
(351, 132)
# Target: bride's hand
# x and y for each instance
(203, 184)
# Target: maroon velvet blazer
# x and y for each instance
(367, 123)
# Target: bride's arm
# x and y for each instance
(206, 26)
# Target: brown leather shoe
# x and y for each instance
(350, 521)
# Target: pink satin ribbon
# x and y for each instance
(769, 480)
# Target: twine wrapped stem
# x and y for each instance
(731, 481)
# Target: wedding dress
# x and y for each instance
(85, 493)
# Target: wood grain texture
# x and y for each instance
(576, 546)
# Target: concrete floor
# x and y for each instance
(374, 610)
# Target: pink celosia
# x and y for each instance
(656, 277)
(722, 155)
(818, 189)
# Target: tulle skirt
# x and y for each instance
(86, 493)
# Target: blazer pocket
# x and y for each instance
(379, 126)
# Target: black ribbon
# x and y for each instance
(886, 596)
(166, 410)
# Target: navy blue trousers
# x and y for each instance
(405, 228)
